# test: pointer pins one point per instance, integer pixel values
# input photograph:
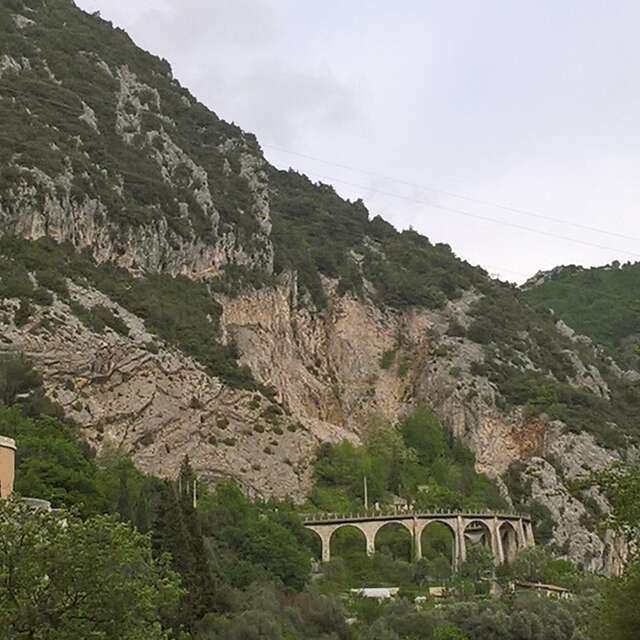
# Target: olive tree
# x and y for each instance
(64, 578)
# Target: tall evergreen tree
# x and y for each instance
(124, 498)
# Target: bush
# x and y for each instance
(405, 268)
(98, 318)
(387, 358)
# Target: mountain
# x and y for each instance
(181, 296)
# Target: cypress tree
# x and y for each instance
(124, 499)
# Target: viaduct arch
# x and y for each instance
(504, 534)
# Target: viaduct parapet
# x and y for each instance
(504, 534)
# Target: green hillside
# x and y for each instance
(602, 303)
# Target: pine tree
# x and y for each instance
(124, 498)
(142, 515)
(177, 530)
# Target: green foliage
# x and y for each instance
(619, 616)
(422, 432)
(318, 233)
(578, 408)
(65, 578)
(257, 540)
(176, 529)
(539, 565)
(50, 462)
(16, 283)
(521, 618)
(600, 302)
(351, 568)
(24, 312)
(387, 359)
(519, 486)
(532, 618)
(416, 460)
(265, 613)
(542, 519)
(504, 320)
(621, 485)
(17, 377)
(98, 318)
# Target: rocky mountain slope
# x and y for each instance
(181, 296)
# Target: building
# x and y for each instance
(7, 466)
(543, 590)
(8, 472)
(377, 593)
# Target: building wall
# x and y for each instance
(7, 465)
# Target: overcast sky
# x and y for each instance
(532, 105)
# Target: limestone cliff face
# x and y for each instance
(328, 367)
(324, 366)
(136, 394)
(42, 204)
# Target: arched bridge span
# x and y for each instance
(504, 534)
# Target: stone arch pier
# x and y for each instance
(504, 534)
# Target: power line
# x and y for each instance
(459, 196)
(476, 216)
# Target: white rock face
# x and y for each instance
(8, 63)
(42, 205)
(326, 367)
(88, 115)
(570, 533)
(159, 405)
(587, 376)
(22, 22)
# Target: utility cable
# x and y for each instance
(476, 216)
(459, 196)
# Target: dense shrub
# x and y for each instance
(417, 460)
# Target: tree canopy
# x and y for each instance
(64, 578)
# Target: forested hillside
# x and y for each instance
(602, 303)
(197, 347)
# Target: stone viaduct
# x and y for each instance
(503, 534)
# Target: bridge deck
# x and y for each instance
(339, 518)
